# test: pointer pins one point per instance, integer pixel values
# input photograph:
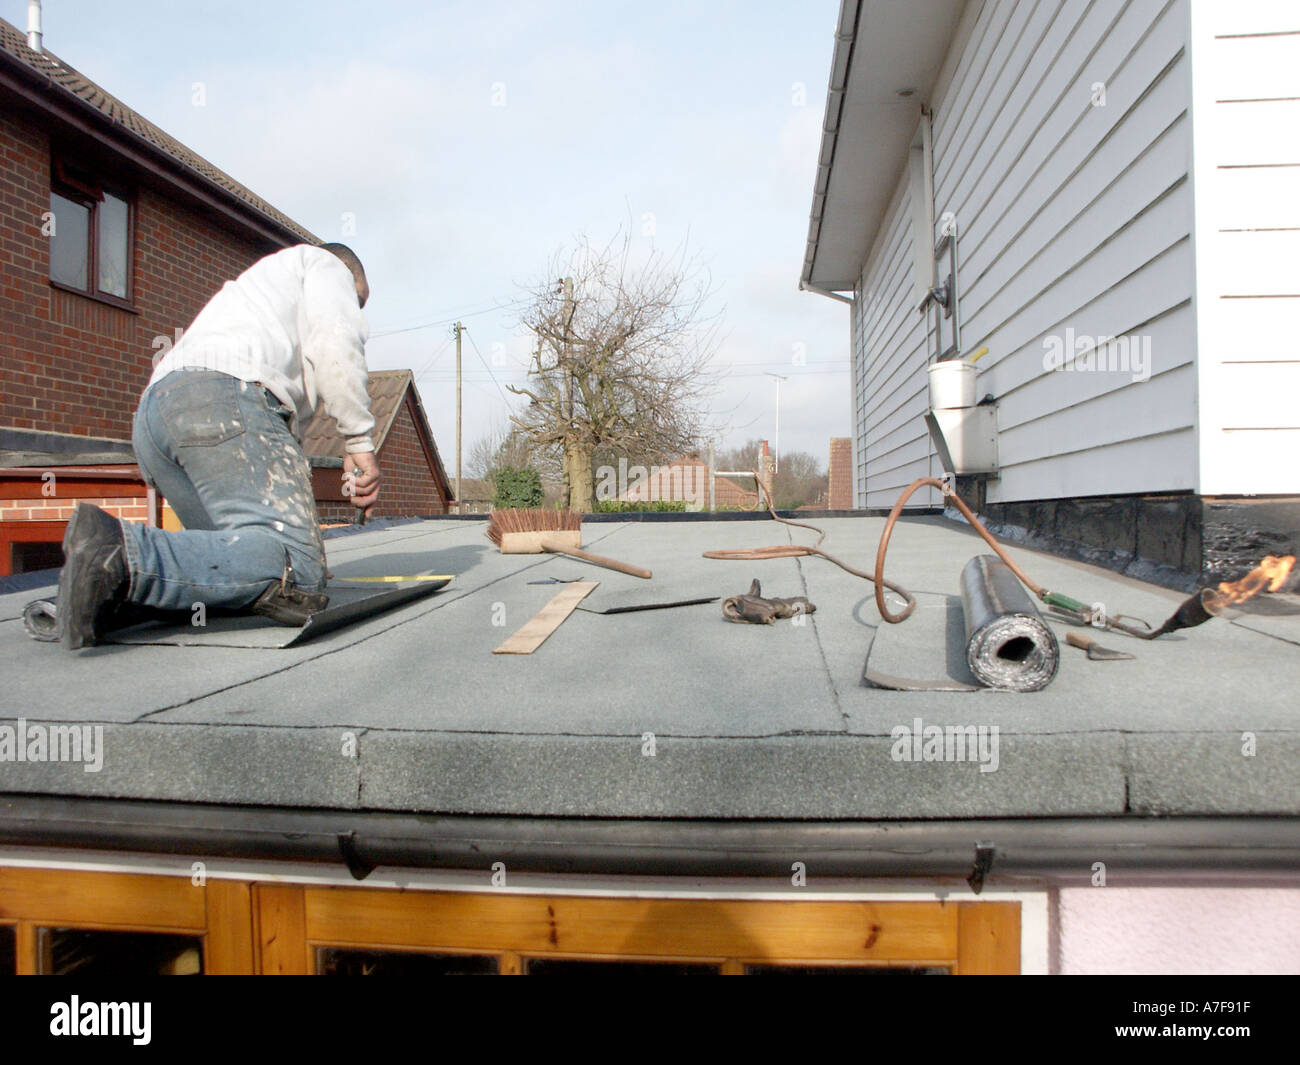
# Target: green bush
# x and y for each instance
(516, 488)
(622, 506)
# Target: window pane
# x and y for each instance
(25, 558)
(614, 967)
(339, 961)
(846, 970)
(69, 951)
(69, 242)
(8, 949)
(113, 245)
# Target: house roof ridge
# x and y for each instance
(76, 84)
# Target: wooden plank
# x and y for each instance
(228, 946)
(536, 629)
(988, 938)
(279, 924)
(681, 928)
(58, 897)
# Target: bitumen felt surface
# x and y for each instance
(744, 721)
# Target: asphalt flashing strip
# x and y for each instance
(347, 604)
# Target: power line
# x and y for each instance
(783, 362)
(449, 374)
(448, 321)
(432, 359)
(487, 367)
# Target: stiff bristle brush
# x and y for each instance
(532, 532)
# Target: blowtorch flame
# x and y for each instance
(1270, 574)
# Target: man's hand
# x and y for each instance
(362, 471)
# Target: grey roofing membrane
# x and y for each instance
(748, 721)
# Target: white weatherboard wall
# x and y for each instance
(1246, 120)
(1074, 212)
(889, 355)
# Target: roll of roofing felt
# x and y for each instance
(1008, 645)
(40, 619)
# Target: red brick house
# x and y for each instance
(415, 482)
(476, 496)
(113, 235)
(686, 479)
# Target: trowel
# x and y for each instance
(1096, 652)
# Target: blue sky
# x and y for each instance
(470, 142)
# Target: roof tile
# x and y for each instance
(14, 43)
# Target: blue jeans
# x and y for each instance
(221, 453)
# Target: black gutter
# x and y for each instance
(1192, 848)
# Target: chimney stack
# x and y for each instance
(839, 481)
(34, 33)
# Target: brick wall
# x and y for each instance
(409, 487)
(76, 365)
(128, 508)
(839, 493)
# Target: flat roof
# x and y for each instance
(748, 722)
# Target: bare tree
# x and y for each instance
(799, 480)
(621, 361)
(503, 445)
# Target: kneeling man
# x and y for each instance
(218, 432)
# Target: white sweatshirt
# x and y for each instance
(293, 322)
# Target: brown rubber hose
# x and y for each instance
(969, 515)
(798, 551)
(878, 577)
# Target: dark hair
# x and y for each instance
(349, 257)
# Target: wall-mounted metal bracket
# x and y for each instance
(984, 855)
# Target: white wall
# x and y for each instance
(1246, 121)
(889, 353)
(1070, 216)
(1200, 930)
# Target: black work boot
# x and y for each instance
(95, 575)
(287, 604)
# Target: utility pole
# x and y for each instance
(713, 476)
(460, 504)
(776, 464)
(567, 404)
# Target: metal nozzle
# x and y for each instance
(1195, 611)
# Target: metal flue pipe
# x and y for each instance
(34, 32)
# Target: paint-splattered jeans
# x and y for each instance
(221, 453)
